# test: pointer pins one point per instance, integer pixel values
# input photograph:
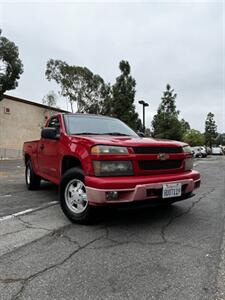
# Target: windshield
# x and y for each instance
(81, 125)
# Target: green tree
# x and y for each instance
(11, 66)
(77, 84)
(106, 104)
(185, 126)
(194, 138)
(210, 130)
(93, 94)
(165, 123)
(121, 103)
(220, 139)
(50, 99)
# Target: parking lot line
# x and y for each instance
(29, 210)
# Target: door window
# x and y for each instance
(54, 122)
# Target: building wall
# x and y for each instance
(19, 122)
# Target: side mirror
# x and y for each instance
(49, 133)
(141, 134)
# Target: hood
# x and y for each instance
(126, 141)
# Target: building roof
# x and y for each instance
(34, 103)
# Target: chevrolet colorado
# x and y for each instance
(99, 160)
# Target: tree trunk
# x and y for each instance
(71, 105)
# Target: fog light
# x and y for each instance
(197, 184)
(111, 195)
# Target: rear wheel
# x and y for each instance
(32, 180)
(73, 197)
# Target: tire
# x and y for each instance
(73, 197)
(32, 180)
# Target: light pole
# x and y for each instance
(145, 104)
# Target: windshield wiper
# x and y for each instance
(104, 133)
(116, 133)
(87, 133)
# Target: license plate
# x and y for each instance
(171, 190)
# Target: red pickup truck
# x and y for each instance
(98, 160)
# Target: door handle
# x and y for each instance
(42, 147)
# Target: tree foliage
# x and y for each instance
(93, 95)
(185, 126)
(11, 66)
(210, 129)
(166, 123)
(78, 84)
(120, 102)
(194, 138)
(50, 99)
(220, 139)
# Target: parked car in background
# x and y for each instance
(203, 151)
(199, 151)
(208, 150)
(223, 148)
(196, 152)
(217, 151)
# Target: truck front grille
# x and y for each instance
(160, 164)
(157, 150)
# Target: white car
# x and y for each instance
(217, 151)
(199, 151)
(203, 151)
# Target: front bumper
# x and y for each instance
(137, 188)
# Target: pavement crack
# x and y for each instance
(13, 232)
(116, 243)
(62, 235)
(11, 280)
(27, 280)
(172, 219)
(184, 245)
(29, 225)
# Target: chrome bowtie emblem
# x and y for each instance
(163, 156)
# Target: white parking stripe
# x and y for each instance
(27, 211)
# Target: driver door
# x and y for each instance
(48, 151)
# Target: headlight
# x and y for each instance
(105, 149)
(113, 168)
(188, 164)
(187, 149)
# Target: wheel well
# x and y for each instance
(69, 162)
(26, 158)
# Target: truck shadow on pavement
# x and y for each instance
(141, 215)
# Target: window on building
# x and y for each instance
(7, 110)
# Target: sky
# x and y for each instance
(177, 42)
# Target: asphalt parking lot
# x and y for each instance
(153, 253)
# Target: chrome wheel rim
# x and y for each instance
(28, 175)
(76, 196)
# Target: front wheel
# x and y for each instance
(73, 197)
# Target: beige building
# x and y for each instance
(20, 120)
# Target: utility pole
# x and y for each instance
(145, 104)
